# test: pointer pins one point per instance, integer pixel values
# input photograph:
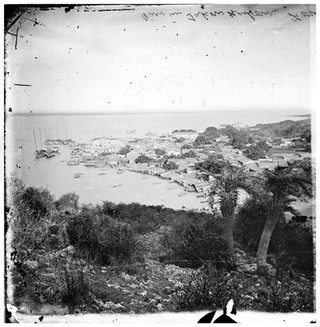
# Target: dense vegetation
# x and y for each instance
(65, 251)
(252, 139)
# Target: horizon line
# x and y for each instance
(306, 114)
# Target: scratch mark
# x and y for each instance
(17, 84)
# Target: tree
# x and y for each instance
(143, 159)
(225, 187)
(169, 165)
(125, 150)
(278, 185)
(212, 165)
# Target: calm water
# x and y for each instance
(55, 175)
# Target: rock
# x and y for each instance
(119, 306)
(31, 264)
(250, 268)
(70, 249)
(125, 276)
(133, 285)
(143, 293)
(113, 306)
(159, 307)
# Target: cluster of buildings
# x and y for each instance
(111, 151)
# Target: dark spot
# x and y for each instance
(41, 318)
(31, 111)
(124, 29)
(10, 109)
(36, 57)
(165, 58)
(241, 51)
(164, 26)
(202, 6)
(177, 34)
(206, 55)
(78, 27)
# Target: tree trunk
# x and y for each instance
(264, 244)
(229, 235)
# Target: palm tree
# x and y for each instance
(226, 188)
(278, 185)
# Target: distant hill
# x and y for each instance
(284, 129)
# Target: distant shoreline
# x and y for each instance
(133, 113)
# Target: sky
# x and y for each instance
(177, 58)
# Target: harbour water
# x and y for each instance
(95, 185)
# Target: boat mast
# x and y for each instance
(40, 138)
(45, 132)
(35, 140)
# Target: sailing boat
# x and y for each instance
(45, 152)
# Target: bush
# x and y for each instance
(208, 289)
(204, 244)
(191, 244)
(101, 239)
(68, 202)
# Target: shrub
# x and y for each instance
(68, 202)
(204, 244)
(101, 239)
(197, 243)
(208, 289)
(37, 201)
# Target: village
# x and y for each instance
(173, 156)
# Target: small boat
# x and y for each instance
(189, 189)
(201, 196)
(73, 162)
(117, 185)
(90, 164)
(172, 182)
(40, 153)
(50, 154)
(120, 171)
(156, 183)
(205, 201)
(101, 173)
(76, 176)
(182, 193)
